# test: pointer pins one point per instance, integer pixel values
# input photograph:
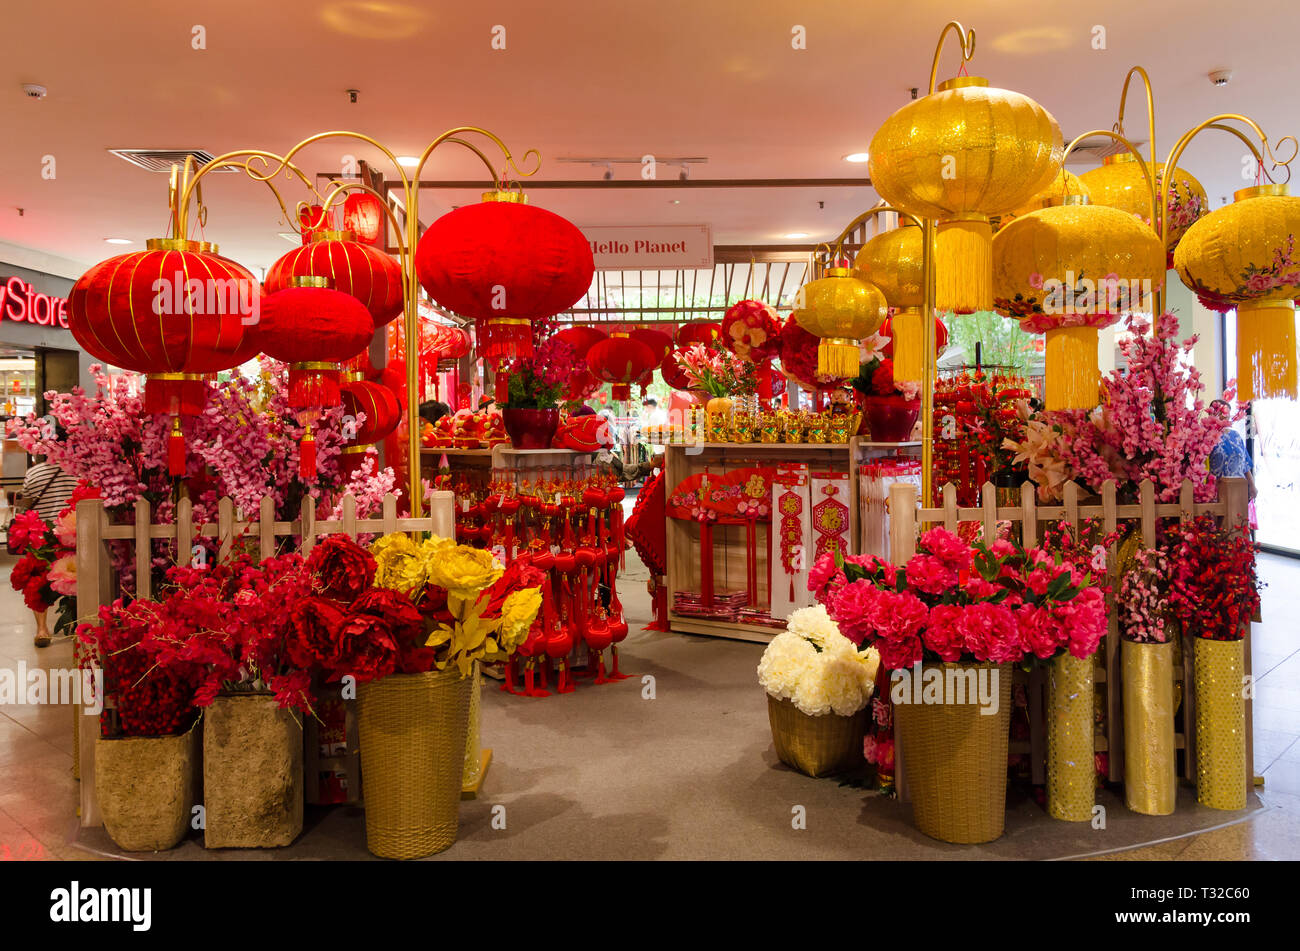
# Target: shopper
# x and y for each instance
(1229, 459)
(46, 488)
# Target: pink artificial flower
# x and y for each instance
(948, 548)
(897, 654)
(1083, 620)
(885, 755)
(869, 748)
(941, 634)
(1038, 631)
(63, 575)
(929, 574)
(855, 608)
(991, 633)
(823, 572)
(902, 614)
(65, 529)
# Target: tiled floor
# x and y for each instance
(38, 796)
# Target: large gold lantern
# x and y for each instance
(1068, 271)
(1063, 185)
(1120, 183)
(1244, 255)
(894, 261)
(841, 308)
(959, 155)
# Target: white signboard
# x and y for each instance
(651, 247)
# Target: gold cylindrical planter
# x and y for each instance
(412, 729)
(473, 732)
(955, 755)
(815, 746)
(1218, 667)
(145, 787)
(1071, 775)
(1150, 770)
(252, 773)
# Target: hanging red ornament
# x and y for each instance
(581, 338)
(368, 274)
(504, 264)
(620, 360)
(707, 332)
(672, 370)
(363, 215)
(751, 330)
(658, 341)
(312, 221)
(313, 329)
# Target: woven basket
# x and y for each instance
(955, 761)
(815, 746)
(145, 788)
(412, 729)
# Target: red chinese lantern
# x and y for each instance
(505, 264)
(366, 273)
(658, 341)
(672, 371)
(707, 332)
(313, 329)
(382, 412)
(363, 215)
(312, 221)
(622, 361)
(173, 311)
(581, 338)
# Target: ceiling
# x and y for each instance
(670, 78)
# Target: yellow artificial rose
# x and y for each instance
(464, 570)
(517, 615)
(397, 563)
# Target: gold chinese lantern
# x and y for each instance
(1243, 255)
(841, 308)
(1062, 185)
(894, 261)
(1067, 271)
(959, 155)
(1120, 183)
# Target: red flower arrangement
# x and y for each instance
(1214, 589)
(343, 569)
(752, 331)
(953, 602)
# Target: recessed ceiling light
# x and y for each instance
(408, 161)
(674, 201)
(796, 235)
(858, 157)
(118, 240)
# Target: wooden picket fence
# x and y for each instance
(908, 519)
(96, 585)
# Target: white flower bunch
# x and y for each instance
(816, 667)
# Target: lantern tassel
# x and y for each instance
(307, 457)
(838, 357)
(620, 391)
(1071, 368)
(1266, 350)
(314, 385)
(504, 338)
(909, 345)
(176, 450)
(964, 265)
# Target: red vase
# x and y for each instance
(531, 428)
(889, 418)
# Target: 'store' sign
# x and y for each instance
(650, 247)
(21, 302)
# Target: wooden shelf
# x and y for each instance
(732, 630)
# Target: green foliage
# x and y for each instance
(1002, 342)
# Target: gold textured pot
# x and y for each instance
(1071, 774)
(413, 730)
(955, 757)
(1218, 667)
(815, 746)
(717, 416)
(1150, 770)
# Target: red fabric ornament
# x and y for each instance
(581, 338)
(658, 341)
(393, 377)
(584, 434)
(770, 384)
(311, 222)
(799, 355)
(505, 264)
(368, 274)
(620, 361)
(672, 371)
(707, 332)
(378, 403)
(363, 215)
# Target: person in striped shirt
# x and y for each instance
(46, 488)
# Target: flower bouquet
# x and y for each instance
(722, 376)
(1214, 593)
(46, 571)
(818, 686)
(890, 407)
(535, 387)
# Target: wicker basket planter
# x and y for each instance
(252, 773)
(413, 729)
(1150, 774)
(815, 746)
(1218, 667)
(955, 760)
(145, 787)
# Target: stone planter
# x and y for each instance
(252, 773)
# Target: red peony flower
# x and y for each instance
(368, 648)
(28, 530)
(882, 380)
(403, 617)
(312, 637)
(343, 568)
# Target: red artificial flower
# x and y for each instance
(28, 530)
(882, 381)
(313, 636)
(343, 568)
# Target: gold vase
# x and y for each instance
(1150, 773)
(717, 416)
(1071, 775)
(1218, 667)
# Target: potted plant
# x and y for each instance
(1215, 593)
(818, 687)
(723, 376)
(536, 385)
(890, 408)
(950, 624)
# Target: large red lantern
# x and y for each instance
(313, 329)
(381, 411)
(581, 338)
(363, 215)
(505, 264)
(173, 311)
(707, 332)
(622, 361)
(658, 341)
(672, 370)
(366, 273)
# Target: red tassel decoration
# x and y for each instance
(307, 457)
(706, 563)
(620, 391)
(176, 450)
(502, 385)
(175, 394)
(314, 385)
(506, 338)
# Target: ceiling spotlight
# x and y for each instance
(674, 201)
(35, 91)
(1220, 77)
(118, 240)
(858, 157)
(408, 161)
(796, 235)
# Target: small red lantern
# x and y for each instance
(363, 215)
(707, 332)
(658, 341)
(368, 274)
(504, 264)
(581, 338)
(672, 371)
(311, 221)
(620, 360)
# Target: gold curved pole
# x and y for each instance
(229, 160)
(1142, 163)
(964, 36)
(337, 188)
(1151, 107)
(866, 216)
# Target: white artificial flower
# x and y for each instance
(816, 667)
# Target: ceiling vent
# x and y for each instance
(1095, 148)
(162, 160)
